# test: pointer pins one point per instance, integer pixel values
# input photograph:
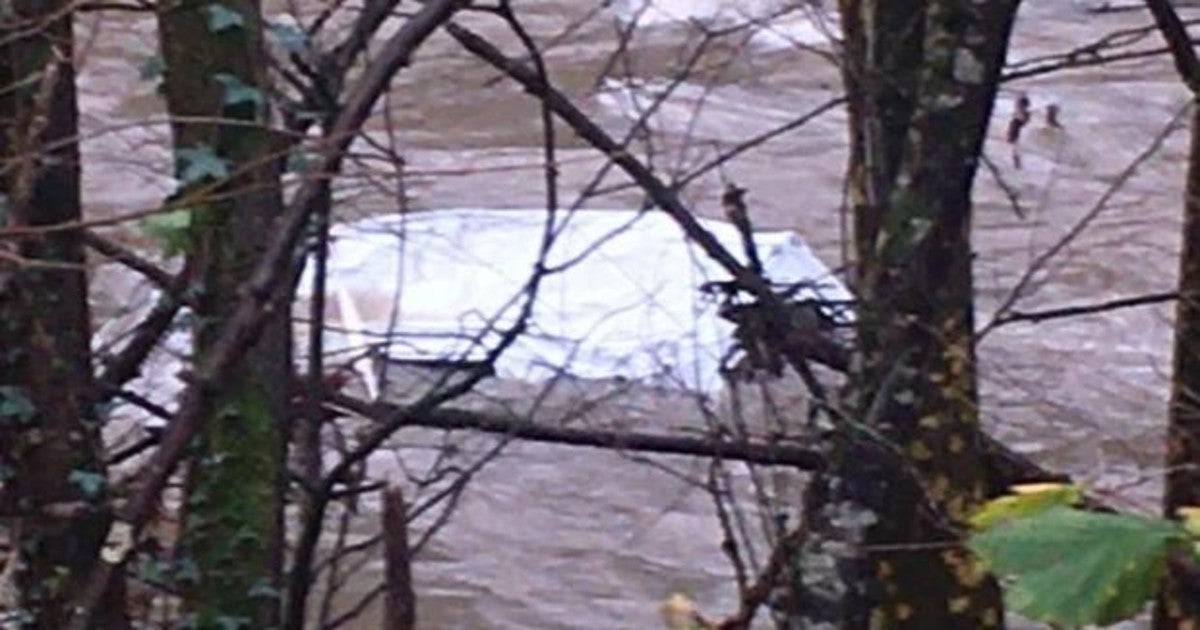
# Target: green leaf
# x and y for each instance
(153, 571)
(236, 92)
(187, 571)
(221, 17)
(15, 405)
(299, 161)
(231, 622)
(306, 115)
(172, 229)
(1025, 500)
(199, 163)
(263, 588)
(1073, 568)
(288, 37)
(152, 68)
(90, 482)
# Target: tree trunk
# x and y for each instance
(1183, 428)
(1174, 609)
(51, 470)
(908, 463)
(216, 93)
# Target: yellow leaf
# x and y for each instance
(679, 612)
(1026, 499)
(1039, 488)
(1190, 515)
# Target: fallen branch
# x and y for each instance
(514, 426)
(1005, 467)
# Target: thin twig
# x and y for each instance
(759, 592)
(1034, 317)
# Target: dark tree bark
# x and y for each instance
(908, 465)
(1174, 609)
(51, 469)
(1183, 424)
(400, 603)
(216, 90)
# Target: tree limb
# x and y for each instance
(450, 419)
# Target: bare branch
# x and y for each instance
(769, 453)
(760, 591)
(659, 192)
(131, 259)
(1034, 317)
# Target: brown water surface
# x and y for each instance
(549, 537)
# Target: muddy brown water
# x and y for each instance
(549, 537)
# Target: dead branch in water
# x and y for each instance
(757, 452)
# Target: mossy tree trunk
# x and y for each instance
(216, 80)
(921, 77)
(51, 470)
(1183, 426)
(1173, 610)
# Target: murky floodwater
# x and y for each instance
(548, 537)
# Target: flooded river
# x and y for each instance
(554, 538)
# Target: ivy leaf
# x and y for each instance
(221, 17)
(172, 229)
(1074, 568)
(299, 162)
(1025, 500)
(263, 589)
(89, 481)
(151, 570)
(15, 404)
(288, 37)
(237, 92)
(151, 68)
(187, 571)
(231, 622)
(199, 163)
